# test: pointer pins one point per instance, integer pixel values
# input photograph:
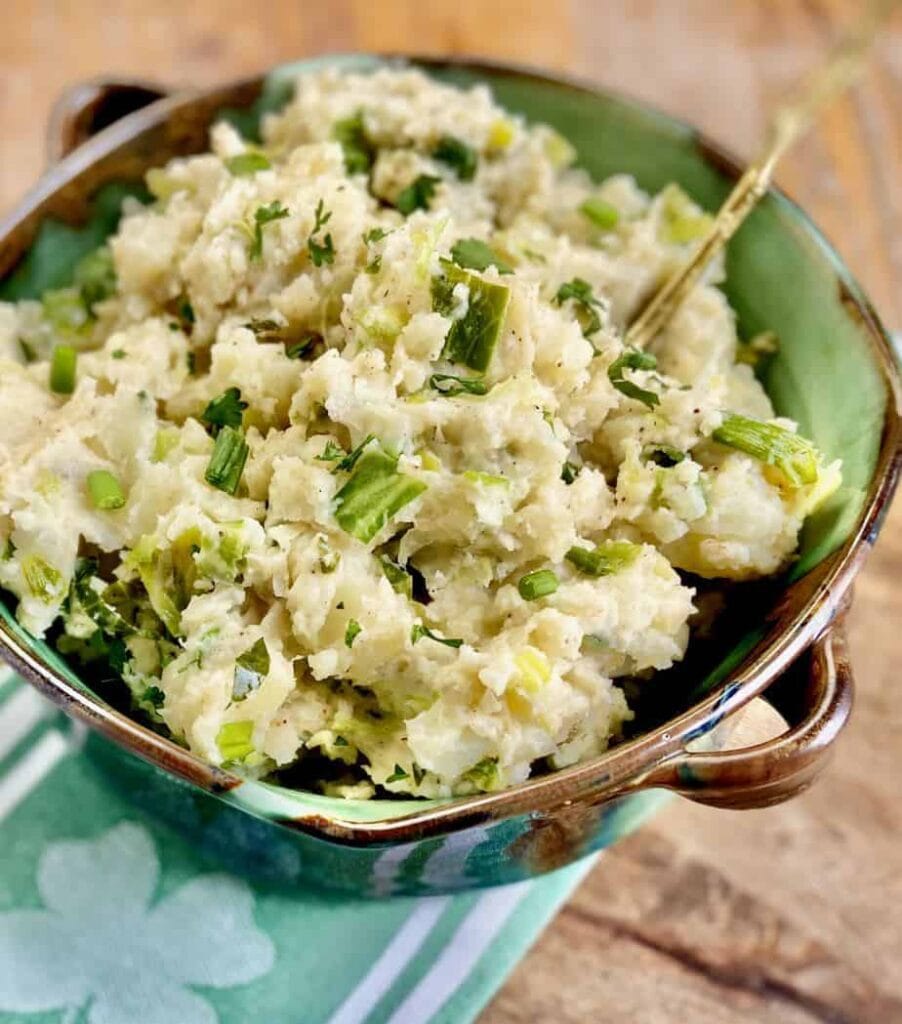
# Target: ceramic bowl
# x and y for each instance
(835, 374)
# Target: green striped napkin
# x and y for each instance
(108, 916)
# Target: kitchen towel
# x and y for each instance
(108, 916)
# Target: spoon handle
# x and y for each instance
(792, 119)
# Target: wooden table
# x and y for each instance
(790, 915)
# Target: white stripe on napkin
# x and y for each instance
(474, 935)
(20, 780)
(19, 714)
(397, 955)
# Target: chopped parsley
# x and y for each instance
(633, 359)
(418, 194)
(264, 215)
(321, 251)
(331, 452)
(580, 293)
(570, 472)
(419, 631)
(354, 629)
(474, 254)
(224, 411)
(153, 696)
(359, 151)
(457, 155)
(448, 384)
(350, 460)
(397, 775)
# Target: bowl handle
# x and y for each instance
(814, 698)
(88, 107)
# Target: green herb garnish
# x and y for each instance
(245, 164)
(457, 155)
(602, 214)
(397, 576)
(609, 557)
(537, 584)
(354, 629)
(449, 385)
(350, 460)
(359, 151)
(331, 452)
(62, 369)
(321, 252)
(633, 359)
(227, 461)
(664, 455)
(585, 303)
(153, 696)
(224, 411)
(474, 254)
(105, 490)
(418, 194)
(397, 775)
(264, 215)
(419, 631)
(794, 456)
(570, 472)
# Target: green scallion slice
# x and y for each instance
(419, 631)
(537, 584)
(633, 359)
(245, 164)
(227, 461)
(794, 456)
(608, 558)
(602, 214)
(105, 490)
(234, 741)
(62, 369)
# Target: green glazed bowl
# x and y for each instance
(835, 375)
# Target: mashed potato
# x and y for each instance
(336, 453)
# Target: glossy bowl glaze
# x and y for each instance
(835, 374)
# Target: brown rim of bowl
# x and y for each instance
(809, 607)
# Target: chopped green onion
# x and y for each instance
(609, 557)
(400, 580)
(397, 775)
(474, 254)
(245, 164)
(448, 384)
(62, 369)
(105, 490)
(298, 349)
(227, 461)
(794, 456)
(537, 584)
(65, 311)
(224, 411)
(359, 152)
(486, 479)
(472, 338)
(570, 472)
(419, 631)
(418, 194)
(374, 492)
(118, 353)
(353, 630)
(663, 455)
(602, 214)
(234, 740)
(633, 359)
(586, 304)
(460, 157)
(43, 581)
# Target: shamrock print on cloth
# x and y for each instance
(100, 942)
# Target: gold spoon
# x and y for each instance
(791, 120)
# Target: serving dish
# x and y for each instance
(835, 375)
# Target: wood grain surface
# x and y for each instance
(790, 915)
